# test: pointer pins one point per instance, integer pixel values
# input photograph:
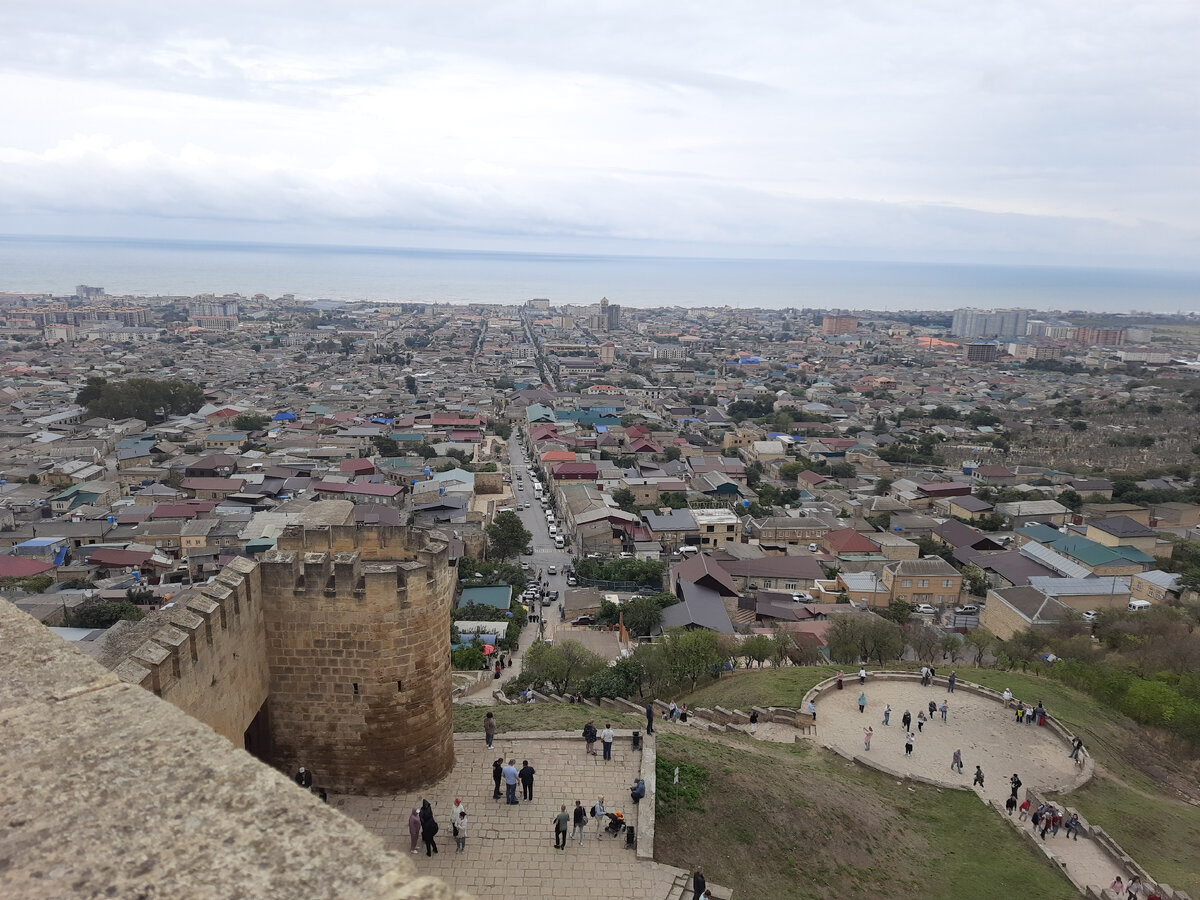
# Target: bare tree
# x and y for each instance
(924, 641)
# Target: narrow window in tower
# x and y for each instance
(398, 687)
(356, 687)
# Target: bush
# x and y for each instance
(468, 658)
(104, 614)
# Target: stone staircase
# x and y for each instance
(681, 889)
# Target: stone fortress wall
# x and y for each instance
(332, 651)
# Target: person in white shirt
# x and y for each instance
(1008, 697)
(606, 738)
(862, 675)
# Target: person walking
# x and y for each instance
(672, 711)
(956, 764)
(606, 741)
(526, 775)
(489, 729)
(699, 885)
(753, 721)
(510, 782)
(950, 682)
(304, 778)
(578, 820)
(649, 718)
(812, 711)
(1015, 782)
(921, 720)
(862, 674)
(924, 676)
(906, 720)
(862, 702)
(560, 828)
(932, 710)
(589, 736)
(414, 829)
(429, 828)
(868, 733)
(598, 815)
(943, 709)
(1024, 810)
(840, 676)
(978, 777)
(1076, 746)
(497, 776)
(460, 832)
(1010, 804)
(908, 743)
(887, 713)
(1008, 698)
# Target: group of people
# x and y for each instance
(606, 739)
(1049, 818)
(422, 825)
(510, 775)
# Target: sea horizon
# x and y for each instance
(175, 267)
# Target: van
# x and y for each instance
(1139, 605)
(558, 542)
(553, 530)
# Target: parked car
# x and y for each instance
(802, 597)
(584, 620)
(524, 567)
(968, 609)
(1091, 615)
(552, 570)
(812, 548)
(572, 581)
(924, 609)
(528, 551)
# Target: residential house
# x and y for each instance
(930, 580)
(1123, 531)
(717, 527)
(1013, 609)
(1028, 512)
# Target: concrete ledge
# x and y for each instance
(645, 826)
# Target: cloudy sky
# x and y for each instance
(1056, 131)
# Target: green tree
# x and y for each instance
(673, 453)
(691, 653)
(643, 615)
(1071, 500)
(882, 486)
(386, 446)
(563, 666)
(425, 451)
(759, 648)
(33, 479)
(105, 614)
(507, 536)
(924, 641)
(502, 430)
(142, 398)
(469, 658)
(250, 422)
(625, 500)
(843, 470)
(410, 384)
(978, 642)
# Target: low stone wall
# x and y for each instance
(645, 826)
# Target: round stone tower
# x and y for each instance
(357, 626)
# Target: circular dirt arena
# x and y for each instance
(987, 734)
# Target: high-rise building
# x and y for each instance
(982, 351)
(990, 323)
(1101, 337)
(840, 323)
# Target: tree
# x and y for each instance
(507, 536)
(673, 453)
(624, 499)
(924, 641)
(250, 422)
(643, 615)
(951, 646)
(105, 614)
(502, 430)
(410, 384)
(1071, 500)
(564, 666)
(843, 470)
(691, 653)
(425, 451)
(758, 647)
(979, 642)
(33, 479)
(142, 398)
(882, 486)
(469, 658)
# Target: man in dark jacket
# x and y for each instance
(698, 882)
(589, 737)
(526, 775)
(497, 775)
(304, 778)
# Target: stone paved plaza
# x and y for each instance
(510, 849)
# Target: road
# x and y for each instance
(545, 554)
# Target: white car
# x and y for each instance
(1091, 616)
(924, 609)
(812, 548)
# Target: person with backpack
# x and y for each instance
(589, 737)
(429, 828)
(1015, 782)
(597, 812)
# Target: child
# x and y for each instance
(460, 831)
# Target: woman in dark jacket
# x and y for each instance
(497, 774)
(429, 828)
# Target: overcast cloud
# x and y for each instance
(1040, 132)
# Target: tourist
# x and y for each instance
(1134, 888)
(921, 720)
(1076, 746)
(414, 829)
(598, 815)
(606, 741)
(1074, 826)
(1015, 782)
(1024, 810)
(1117, 886)
(862, 675)
(924, 676)
(589, 735)
(887, 713)
(460, 831)
(429, 828)
(753, 721)
(943, 709)
(840, 676)
(510, 782)
(906, 720)
(1008, 698)
(1020, 712)
(978, 777)
(908, 743)
(812, 711)
(1056, 822)
(560, 828)
(683, 714)
(956, 763)
(489, 729)
(304, 778)
(638, 791)
(649, 723)
(950, 682)
(1010, 804)
(1047, 821)
(579, 819)
(862, 702)
(672, 711)
(699, 885)
(868, 733)
(932, 709)
(458, 808)
(497, 776)
(526, 775)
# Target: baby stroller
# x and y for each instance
(616, 823)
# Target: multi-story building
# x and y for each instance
(990, 323)
(1101, 337)
(982, 351)
(840, 323)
